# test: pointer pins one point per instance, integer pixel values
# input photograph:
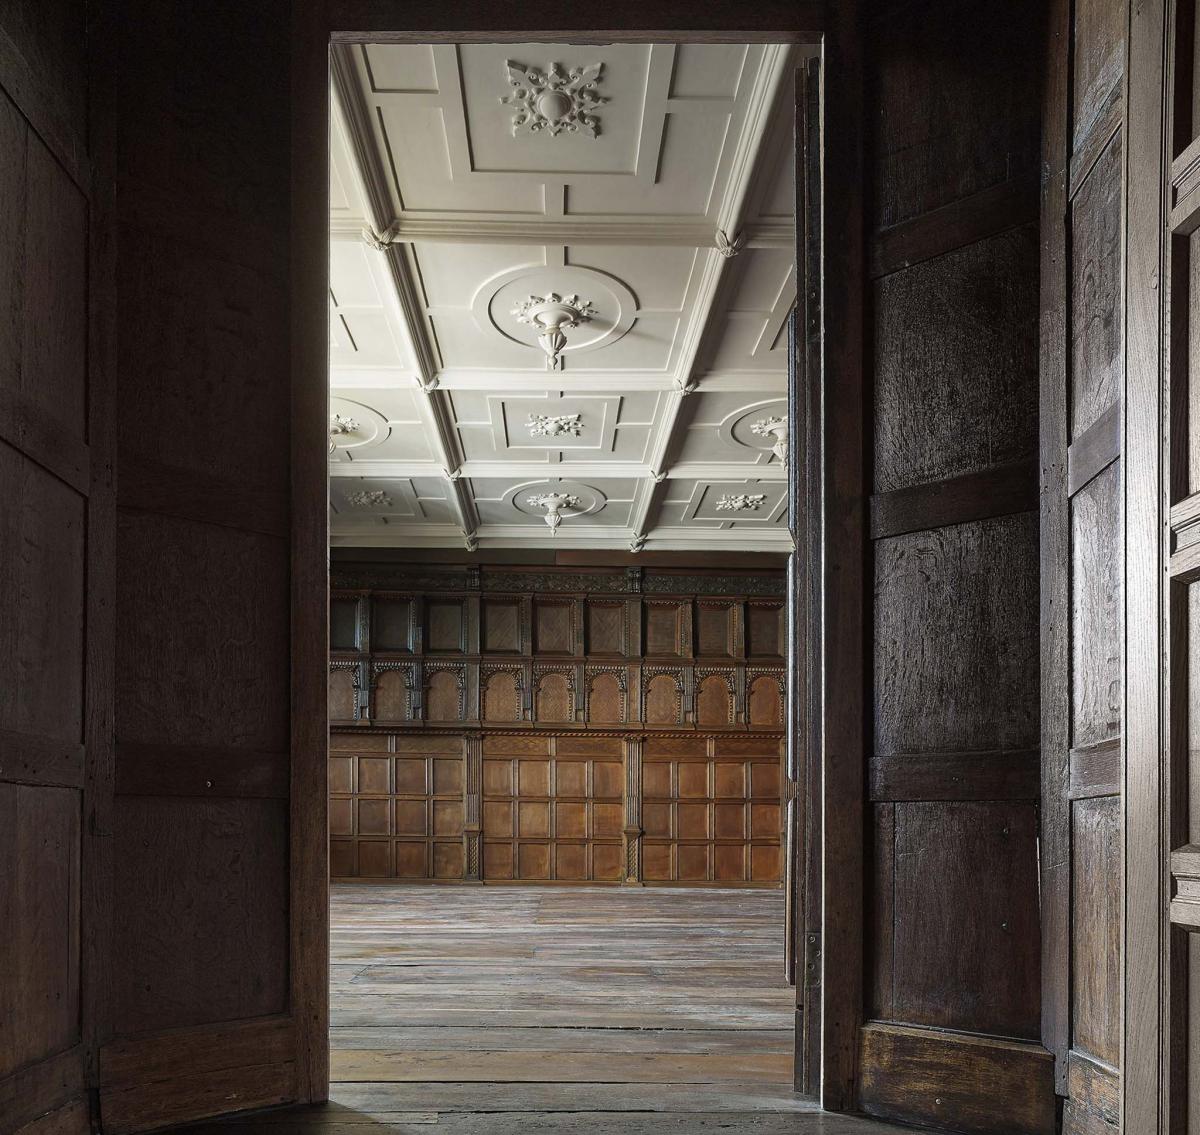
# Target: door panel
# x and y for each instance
(939, 506)
(211, 887)
(1081, 526)
(55, 532)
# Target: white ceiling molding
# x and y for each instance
(672, 222)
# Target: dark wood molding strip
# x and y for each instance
(623, 21)
(1095, 770)
(993, 775)
(29, 1094)
(984, 1085)
(27, 758)
(1000, 491)
(1094, 450)
(1095, 1090)
(233, 1066)
(985, 214)
(186, 770)
(34, 433)
(150, 486)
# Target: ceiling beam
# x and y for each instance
(567, 470)
(468, 228)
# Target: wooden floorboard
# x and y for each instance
(506, 1010)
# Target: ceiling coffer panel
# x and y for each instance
(560, 279)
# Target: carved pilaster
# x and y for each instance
(633, 809)
(472, 806)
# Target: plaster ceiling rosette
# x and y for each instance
(591, 500)
(738, 429)
(612, 305)
(354, 426)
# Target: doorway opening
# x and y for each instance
(563, 845)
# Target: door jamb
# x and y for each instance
(314, 27)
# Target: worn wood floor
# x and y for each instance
(498, 1010)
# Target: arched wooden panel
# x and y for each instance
(443, 696)
(341, 695)
(764, 701)
(714, 701)
(662, 700)
(391, 699)
(606, 701)
(501, 697)
(553, 699)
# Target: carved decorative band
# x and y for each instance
(618, 581)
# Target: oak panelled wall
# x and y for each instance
(502, 724)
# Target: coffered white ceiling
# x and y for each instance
(651, 181)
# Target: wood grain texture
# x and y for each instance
(220, 675)
(1095, 278)
(972, 1085)
(973, 496)
(1096, 921)
(201, 900)
(839, 445)
(964, 601)
(1148, 965)
(42, 545)
(39, 904)
(1096, 606)
(55, 707)
(966, 917)
(954, 361)
(1093, 1106)
(667, 1012)
(976, 79)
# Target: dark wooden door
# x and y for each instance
(930, 585)
(55, 567)
(218, 846)
(1082, 519)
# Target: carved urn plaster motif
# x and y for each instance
(340, 427)
(554, 503)
(552, 316)
(777, 429)
(554, 101)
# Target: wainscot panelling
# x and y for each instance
(504, 725)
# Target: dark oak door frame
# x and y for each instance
(376, 21)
